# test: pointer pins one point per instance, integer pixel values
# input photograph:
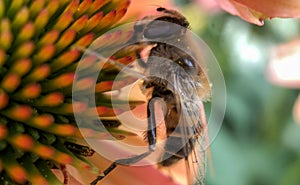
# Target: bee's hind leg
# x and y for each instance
(127, 161)
(151, 136)
(107, 171)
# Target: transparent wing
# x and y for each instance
(192, 125)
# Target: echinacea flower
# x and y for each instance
(37, 66)
(256, 11)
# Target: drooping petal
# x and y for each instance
(246, 13)
(255, 11)
(274, 8)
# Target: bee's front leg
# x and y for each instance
(151, 132)
(151, 135)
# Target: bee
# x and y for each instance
(172, 76)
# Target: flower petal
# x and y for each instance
(246, 13)
(274, 8)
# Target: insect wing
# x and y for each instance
(193, 126)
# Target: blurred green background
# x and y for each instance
(259, 143)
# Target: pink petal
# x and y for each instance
(242, 11)
(274, 8)
(284, 67)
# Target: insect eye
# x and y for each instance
(186, 63)
(158, 29)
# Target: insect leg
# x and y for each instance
(151, 134)
(127, 161)
(107, 171)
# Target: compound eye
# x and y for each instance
(160, 29)
(187, 63)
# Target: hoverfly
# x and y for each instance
(174, 77)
